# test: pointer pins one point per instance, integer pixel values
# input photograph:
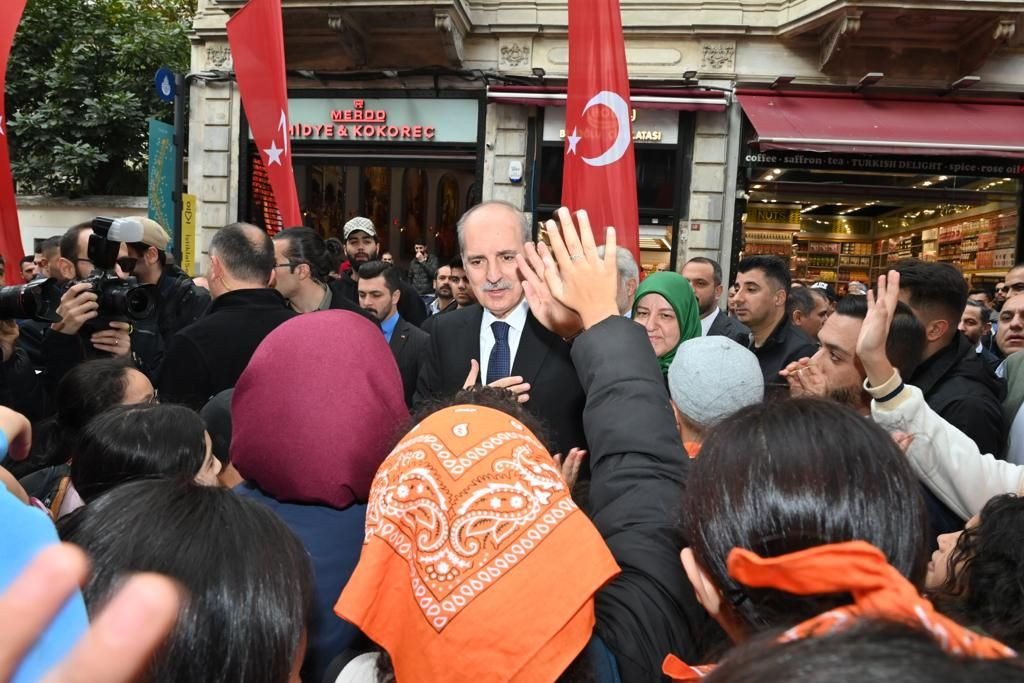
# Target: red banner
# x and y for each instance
(600, 169)
(256, 37)
(10, 229)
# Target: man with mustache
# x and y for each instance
(362, 246)
(499, 341)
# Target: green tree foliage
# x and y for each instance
(80, 91)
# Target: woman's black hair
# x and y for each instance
(247, 577)
(501, 400)
(984, 585)
(129, 442)
(871, 650)
(784, 476)
(305, 245)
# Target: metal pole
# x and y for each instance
(180, 97)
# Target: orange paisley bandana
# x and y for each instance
(477, 565)
(879, 591)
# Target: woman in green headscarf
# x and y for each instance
(667, 308)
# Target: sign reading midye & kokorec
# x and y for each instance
(384, 120)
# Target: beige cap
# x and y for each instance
(153, 233)
(360, 224)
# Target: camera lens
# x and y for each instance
(139, 303)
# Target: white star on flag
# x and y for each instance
(574, 140)
(274, 154)
(2, 131)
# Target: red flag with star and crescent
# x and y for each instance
(256, 37)
(10, 228)
(600, 170)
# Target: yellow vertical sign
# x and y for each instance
(188, 234)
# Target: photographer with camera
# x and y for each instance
(180, 302)
(103, 311)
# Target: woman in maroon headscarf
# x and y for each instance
(314, 414)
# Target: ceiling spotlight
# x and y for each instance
(781, 81)
(869, 79)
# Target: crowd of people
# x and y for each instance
(527, 464)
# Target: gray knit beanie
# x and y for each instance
(713, 377)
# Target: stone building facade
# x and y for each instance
(502, 54)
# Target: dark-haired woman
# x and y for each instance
(975, 575)
(245, 575)
(137, 441)
(87, 390)
(311, 422)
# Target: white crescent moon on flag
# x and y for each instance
(620, 108)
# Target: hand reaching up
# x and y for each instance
(576, 277)
(875, 330)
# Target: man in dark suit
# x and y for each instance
(512, 348)
(705, 276)
(209, 355)
(379, 294)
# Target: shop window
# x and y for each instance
(263, 207)
(447, 216)
(377, 200)
(414, 209)
(324, 203)
(655, 177)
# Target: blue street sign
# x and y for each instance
(165, 89)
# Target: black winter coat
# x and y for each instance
(210, 355)
(958, 385)
(638, 486)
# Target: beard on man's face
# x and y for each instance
(445, 291)
(849, 396)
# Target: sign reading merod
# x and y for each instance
(388, 120)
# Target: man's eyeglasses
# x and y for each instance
(1002, 289)
(291, 265)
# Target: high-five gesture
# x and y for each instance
(573, 274)
(875, 330)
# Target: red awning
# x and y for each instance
(848, 123)
(646, 98)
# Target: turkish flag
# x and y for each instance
(256, 37)
(600, 169)
(10, 229)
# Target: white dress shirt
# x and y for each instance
(516, 320)
(706, 323)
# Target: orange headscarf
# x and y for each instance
(477, 565)
(857, 567)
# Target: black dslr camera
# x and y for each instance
(119, 300)
(37, 299)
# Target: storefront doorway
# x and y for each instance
(412, 166)
(846, 215)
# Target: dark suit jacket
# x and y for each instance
(542, 359)
(724, 326)
(409, 345)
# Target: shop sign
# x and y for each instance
(953, 166)
(384, 120)
(652, 126)
(768, 216)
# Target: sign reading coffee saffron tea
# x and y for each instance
(384, 120)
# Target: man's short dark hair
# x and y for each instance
(49, 244)
(802, 299)
(456, 263)
(773, 267)
(984, 315)
(27, 258)
(246, 252)
(372, 269)
(982, 291)
(69, 241)
(715, 266)
(905, 343)
(938, 287)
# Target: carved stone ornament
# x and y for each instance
(514, 55)
(718, 57)
(218, 56)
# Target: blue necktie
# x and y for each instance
(499, 365)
